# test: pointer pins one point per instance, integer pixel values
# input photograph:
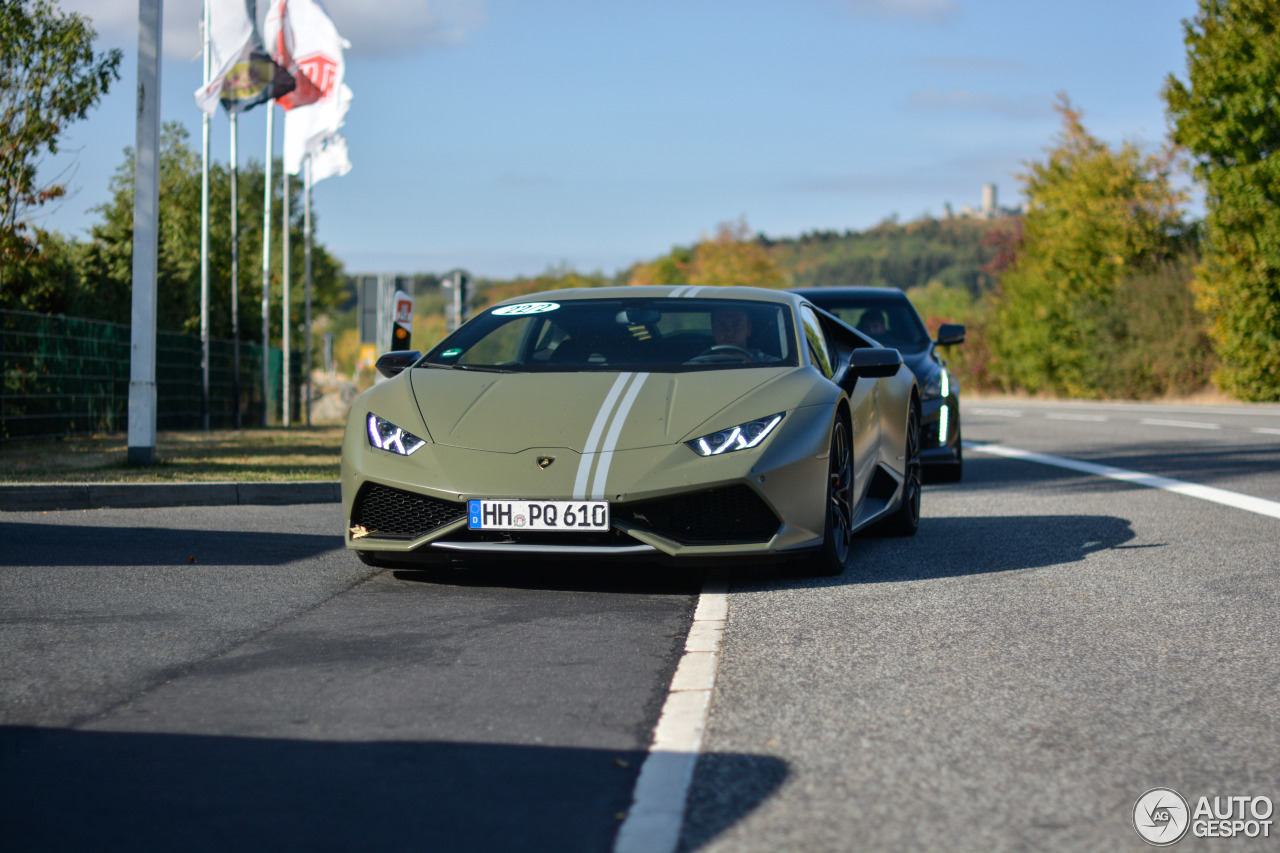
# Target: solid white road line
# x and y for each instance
(1184, 424)
(657, 807)
(1192, 490)
(1000, 413)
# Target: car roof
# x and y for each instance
(852, 295)
(753, 294)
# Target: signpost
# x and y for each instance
(456, 286)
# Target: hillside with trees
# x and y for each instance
(953, 252)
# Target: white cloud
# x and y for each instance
(965, 100)
(374, 29)
(925, 11)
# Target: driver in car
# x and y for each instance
(731, 327)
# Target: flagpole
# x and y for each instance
(306, 227)
(266, 270)
(235, 287)
(284, 273)
(204, 236)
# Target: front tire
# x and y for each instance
(830, 559)
(906, 520)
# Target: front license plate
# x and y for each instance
(565, 516)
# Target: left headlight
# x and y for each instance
(385, 435)
(938, 385)
(739, 437)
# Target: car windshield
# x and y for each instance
(662, 335)
(891, 323)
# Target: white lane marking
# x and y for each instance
(593, 437)
(691, 291)
(679, 290)
(1063, 416)
(1181, 487)
(1265, 431)
(1183, 424)
(611, 440)
(662, 791)
(1000, 413)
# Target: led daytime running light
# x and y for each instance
(740, 437)
(385, 435)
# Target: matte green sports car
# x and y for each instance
(675, 422)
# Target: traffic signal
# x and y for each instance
(401, 320)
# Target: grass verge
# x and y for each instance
(250, 455)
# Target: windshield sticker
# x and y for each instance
(526, 308)
(450, 353)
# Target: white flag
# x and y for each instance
(303, 39)
(330, 158)
(230, 38)
(243, 74)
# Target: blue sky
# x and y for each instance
(506, 137)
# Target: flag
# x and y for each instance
(329, 158)
(244, 74)
(304, 40)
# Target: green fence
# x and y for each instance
(67, 376)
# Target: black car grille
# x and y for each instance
(731, 516)
(389, 513)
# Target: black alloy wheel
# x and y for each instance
(829, 560)
(906, 520)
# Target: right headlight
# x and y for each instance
(938, 385)
(385, 435)
(739, 437)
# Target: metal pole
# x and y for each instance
(284, 273)
(306, 227)
(146, 243)
(266, 271)
(235, 288)
(204, 238)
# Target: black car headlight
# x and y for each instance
(385, 435)
(739, 437)
(938, 385)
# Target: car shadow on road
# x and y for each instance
(641, 578)
(960, 546)
(96, 545)
(81, 790)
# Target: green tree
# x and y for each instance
(106, 265)
(1096, 216)
(1228, 116)
(50, 76)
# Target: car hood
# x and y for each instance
(513, 412)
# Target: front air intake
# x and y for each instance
(389, 513)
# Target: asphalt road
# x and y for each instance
(1047, 648)
(276, 694)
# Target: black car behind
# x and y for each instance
(886, 315)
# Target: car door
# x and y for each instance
(865, 426)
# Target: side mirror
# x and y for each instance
(392, 363)
(874, 362)
(950, 333)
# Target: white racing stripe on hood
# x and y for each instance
(593, 437)
(611, 441)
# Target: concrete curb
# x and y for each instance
(26, 497)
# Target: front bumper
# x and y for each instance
(664, 501)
